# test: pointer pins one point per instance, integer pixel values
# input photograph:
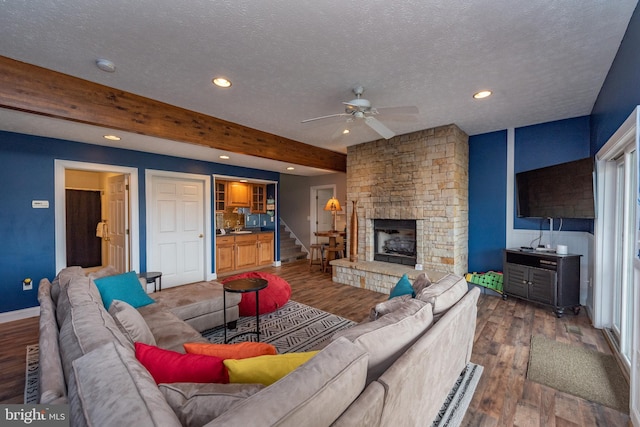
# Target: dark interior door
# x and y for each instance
(84, 212)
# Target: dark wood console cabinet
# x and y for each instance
(542, 277)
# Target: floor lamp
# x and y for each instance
(333, 205)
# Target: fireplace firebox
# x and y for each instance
(395, 241)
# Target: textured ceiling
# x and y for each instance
(293, 60)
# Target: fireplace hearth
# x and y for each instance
(395, 241)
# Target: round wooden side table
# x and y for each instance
(242, 286)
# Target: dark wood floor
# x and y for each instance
(504, 396)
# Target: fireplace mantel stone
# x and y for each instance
(422, 176)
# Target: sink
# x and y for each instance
(242, 232)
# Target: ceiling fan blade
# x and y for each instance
(325, 117)
(398, 110)
(376, 125)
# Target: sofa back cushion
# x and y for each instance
(388, 337)
(113, 389)
(75, 290)
(444, 293)
(131, 323)
(196, 404)
(314, 394)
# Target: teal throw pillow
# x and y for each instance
(124, 287)
(403, 287)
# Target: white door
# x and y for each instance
(321, 220)
(118, 238)
(177, 230)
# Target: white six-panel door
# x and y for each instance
(117, 225)
(176, 230)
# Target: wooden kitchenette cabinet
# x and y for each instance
(265, 248)
(243, 252)
(238, 194)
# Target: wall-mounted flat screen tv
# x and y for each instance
(559, 191)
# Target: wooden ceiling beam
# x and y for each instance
(37, 90)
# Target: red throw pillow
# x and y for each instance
(166, 366)
(241, 350)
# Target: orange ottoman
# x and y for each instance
(271, 298)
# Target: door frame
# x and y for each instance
(206, 181)
(313, 200)
(60, 167)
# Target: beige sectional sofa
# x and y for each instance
(394, 370)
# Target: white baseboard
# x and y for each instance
(277, 263)
(25, 313)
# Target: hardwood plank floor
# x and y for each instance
(504, 396)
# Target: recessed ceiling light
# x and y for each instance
(346, 131)
(112, 137)
(482, 94)
(224, 157)
(106, 65)
(243, 180)
(290, 168)
(221, 82)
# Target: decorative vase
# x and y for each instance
(353, 234)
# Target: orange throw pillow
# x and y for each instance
(241, 350)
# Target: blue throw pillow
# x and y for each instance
(403, 287)
(124, 287)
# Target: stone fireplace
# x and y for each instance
(422, 177)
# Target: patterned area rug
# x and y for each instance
(292, 328)
(457, 402)
(31, 384)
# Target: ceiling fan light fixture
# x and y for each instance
(482, 94)
(221, 82)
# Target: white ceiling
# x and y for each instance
(292, 60)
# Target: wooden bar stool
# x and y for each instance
(316, 253)
(331, 254)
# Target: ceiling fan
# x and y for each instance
(361, 109)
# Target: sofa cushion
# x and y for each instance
(195, 300)
(386, 307)
(403, 287)
(265, 369)
(107, 271)
(196, 404)
(166, 366)
(75, 290)
(444, 293)
(314, 394)
(388, 337)
(131, 323)
(241, 350)
(66, 274)
(168, 330)
(113, 389)
(87, 327)
(421, 282)
(124, 287)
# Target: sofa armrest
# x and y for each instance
(366, 410)
(114, 389)
(53, 388)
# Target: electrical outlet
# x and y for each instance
(264, 222)
(27, 284)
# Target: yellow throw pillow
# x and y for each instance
(265, 369)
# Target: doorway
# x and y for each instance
(178, 226)
(320, 219)
(86, 177)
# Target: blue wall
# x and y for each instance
(27, 173)
(487, 204)
(620, 93)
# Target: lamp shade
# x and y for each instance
(332, 205)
